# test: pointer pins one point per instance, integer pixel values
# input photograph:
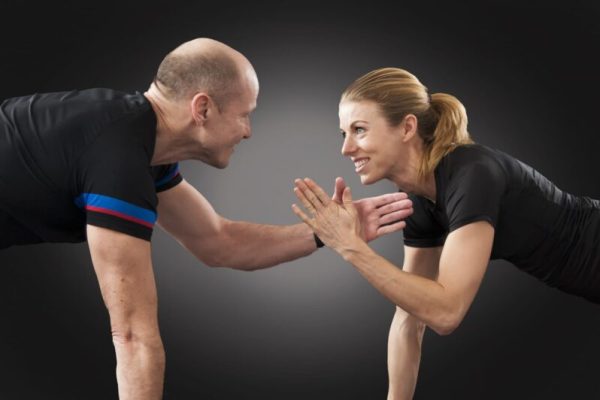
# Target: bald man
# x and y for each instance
(101, 165)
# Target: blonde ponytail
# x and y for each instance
(450, 131)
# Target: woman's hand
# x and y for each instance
(337, 225)
(378, 215)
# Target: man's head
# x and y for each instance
(212, 89)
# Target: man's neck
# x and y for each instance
(169, 145)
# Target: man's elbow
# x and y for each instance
(212, 253)
(213, 259)
(232, 263)
(221, 252)
(223, 258)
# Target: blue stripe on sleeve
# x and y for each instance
(120, 206)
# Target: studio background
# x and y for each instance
(312, 328)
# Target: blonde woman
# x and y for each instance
(471, 204)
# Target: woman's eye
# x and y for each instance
(343, 134)
(359, 130)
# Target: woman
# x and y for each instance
(471, 204)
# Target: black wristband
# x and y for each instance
(318, 241)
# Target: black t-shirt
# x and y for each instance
(74, 158)
(544, 231)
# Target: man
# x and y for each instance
(102, 165)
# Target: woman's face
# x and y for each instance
(376, 148)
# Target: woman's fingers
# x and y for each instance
(317, 191)
(394, 216)
(338, 190)
(384, 230)
(397, 205)
(388, 198)
(302, 216)
(309, 195)
(304, 200)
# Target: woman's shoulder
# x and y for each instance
(473, 153)
(475, 160)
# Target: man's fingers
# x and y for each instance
(317, 191)
(384, 230)
(395, 216)
(389, 198)
(301, 215)
(395, 206)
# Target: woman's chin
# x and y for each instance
(368, 179)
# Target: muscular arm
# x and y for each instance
(406, 332)
(124, 270)
(185, 214)
(441, 304)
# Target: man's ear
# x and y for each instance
(410, 124)
(200, 106)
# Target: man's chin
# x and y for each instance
(221, 163)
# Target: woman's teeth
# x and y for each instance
(359, 164)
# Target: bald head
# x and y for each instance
(204, 65)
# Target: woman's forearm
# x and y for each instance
(404, 355)
(424, 298)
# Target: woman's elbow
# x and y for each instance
(447, 323)
(444, 330)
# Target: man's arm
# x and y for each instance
(406, 332)
(124, 270)
(185, 214)
(216, 241)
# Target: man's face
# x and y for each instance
(230, 124)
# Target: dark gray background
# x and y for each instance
(313, 328)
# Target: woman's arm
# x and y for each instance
(406, 332)
(440, 304)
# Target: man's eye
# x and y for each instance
(360, 130)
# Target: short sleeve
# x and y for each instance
(474, 193)
(117, 189)
(422, 229)
(166, 176)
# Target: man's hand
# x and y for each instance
(378, 215)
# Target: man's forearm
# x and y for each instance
(140, 368)
(249, 246)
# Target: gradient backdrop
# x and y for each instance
(313, 328)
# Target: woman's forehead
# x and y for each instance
(351, 111)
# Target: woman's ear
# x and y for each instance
(410, 124)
